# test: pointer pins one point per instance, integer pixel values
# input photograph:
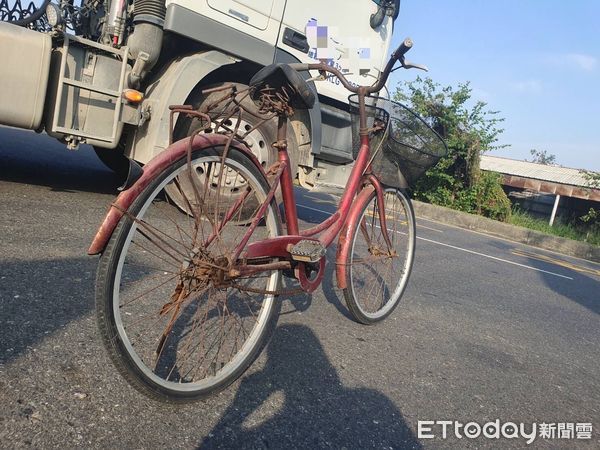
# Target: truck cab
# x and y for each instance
(170, 51)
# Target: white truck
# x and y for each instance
(104, 72)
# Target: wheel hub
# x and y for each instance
(202, 269)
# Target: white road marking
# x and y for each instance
(429, 228)
(494, 258)
(327, 212)
(466, 250)
(468, 230)
(314, 209)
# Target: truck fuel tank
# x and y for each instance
(24, 71)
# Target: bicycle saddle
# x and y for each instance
(277, 76)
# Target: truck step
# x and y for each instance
(308, 251)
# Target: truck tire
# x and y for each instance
(260, 141)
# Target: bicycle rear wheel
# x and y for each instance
(378, 273)
(174, 329)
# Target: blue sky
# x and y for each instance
(535, 61)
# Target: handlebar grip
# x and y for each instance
(404, 47)
(300, 67)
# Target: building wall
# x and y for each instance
(540, 205)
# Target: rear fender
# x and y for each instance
(160, 162)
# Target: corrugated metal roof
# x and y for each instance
(555, 174)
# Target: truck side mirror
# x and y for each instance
(385, 8)
(377, 18)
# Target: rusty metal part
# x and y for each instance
(304, 273)
(286, 181)
(279, 144)
(259, 215)
(201, 269)
(274, 247)
(273, 169)
(381, 206)
(159, 163)
(276, 101)
(251, 268)
(321, 226)
(345, 238)
(289, 292)
(187, 110)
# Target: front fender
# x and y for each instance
(345, 237)
(160, 162)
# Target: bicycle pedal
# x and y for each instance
(308, 251)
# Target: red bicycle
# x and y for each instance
(186, 291)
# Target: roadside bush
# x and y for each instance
(469, 130)
(491, 200)
(591, 226)
(485, 197)
(572, 230)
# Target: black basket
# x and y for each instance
(408, 145)
(374, 114)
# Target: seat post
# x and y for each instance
(287, 186)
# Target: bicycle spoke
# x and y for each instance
(149, 291)
(180, 317)
(378, 267)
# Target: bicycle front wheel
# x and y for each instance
(377, 269)
(172, 323)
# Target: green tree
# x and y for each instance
(542, 157)
(592, 178)
(592, 218)
(470, 129)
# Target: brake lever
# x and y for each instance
(408, 65)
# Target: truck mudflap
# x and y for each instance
(160, 162)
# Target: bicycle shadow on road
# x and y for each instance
(329, 289)
(298, 400)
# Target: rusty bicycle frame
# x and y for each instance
(328, 230)
(248, 259)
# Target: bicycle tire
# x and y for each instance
(376, 275)
(132, 264)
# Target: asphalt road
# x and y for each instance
(488, 330)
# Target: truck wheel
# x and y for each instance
(259, 142)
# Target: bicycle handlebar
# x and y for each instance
(404, 47)
(397, 55)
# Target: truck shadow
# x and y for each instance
(583, 289)
(40, 160)
(41, 297)
(299, 401)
